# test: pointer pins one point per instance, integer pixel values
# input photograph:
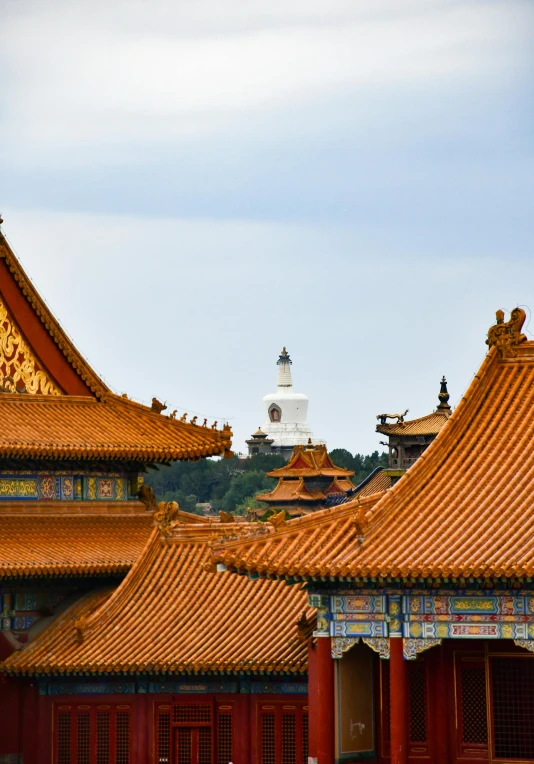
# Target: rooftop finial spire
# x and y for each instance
(284, 369)
(443, 397)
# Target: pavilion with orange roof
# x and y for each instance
(305, 482)
(435, 576)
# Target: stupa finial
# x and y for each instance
(284, 371)
(443, 397)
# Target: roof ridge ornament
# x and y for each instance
(443, 397)
(506, 336)
(166, 517)
(398, 417)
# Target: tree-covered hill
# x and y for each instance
(231, 484)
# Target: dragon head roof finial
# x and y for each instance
(506, 335)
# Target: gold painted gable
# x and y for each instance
(19, 369)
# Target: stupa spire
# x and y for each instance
(443, 397)
(284, 369)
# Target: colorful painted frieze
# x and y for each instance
(64, 487)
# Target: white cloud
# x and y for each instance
(96, 78)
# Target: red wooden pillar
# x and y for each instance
(324, 691)
(312, 701)
(398, 702)
(441, 703)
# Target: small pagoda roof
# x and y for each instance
(296, 490)
(310, 461)
(462, 511)
(430, 424)
(52, 403)
(174, 614)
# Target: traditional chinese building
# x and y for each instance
(286, 414)
(260, 443)
(407, 440)
(424, 593)
(306, 481)
(178, 663)
(119, 643)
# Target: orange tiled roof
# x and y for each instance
(463, 509)
(293, 490)
(379, 482)
(430, 424)
(71, 545)
(310, 462)
(301, 548)
(67, 427)
(174, 614)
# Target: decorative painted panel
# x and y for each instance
(63, 487)
(86, 688)
(20, 610)
(358, 603)
(279, 688)
(192, 687)
(480, 630)
(359, 629)
(469, 604)
(19, 369)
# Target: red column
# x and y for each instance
(324, 690)
(441, 704)
(312, 700)
(398, 702)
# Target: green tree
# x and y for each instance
(249, 502)
(342, 458)
(243, 485)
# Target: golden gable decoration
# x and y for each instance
(19, 370)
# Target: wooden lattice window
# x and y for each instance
(418, 701)
(192, 713)
(283, 733)
(163, 739)
(92, 733)
(417, 680)
(304, 733)
(225, 735)
(63, 737)
(472, 705)
(512, 690)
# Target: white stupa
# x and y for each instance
(286, 412)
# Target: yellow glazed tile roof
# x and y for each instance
(173, 613)
(463, 510)
(310, 461)
(430, 424)
(72, 427)
(74, 538)
(58, 545)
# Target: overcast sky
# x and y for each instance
(194, 183)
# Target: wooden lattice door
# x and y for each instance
(283, 733)
(194, 733)
(193, 745)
